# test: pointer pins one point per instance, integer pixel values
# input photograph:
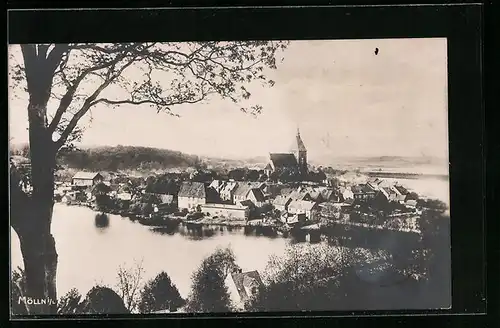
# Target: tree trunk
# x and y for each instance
(32, 223)
(31, 215)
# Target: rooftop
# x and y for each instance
(192, 189)
(85, 175)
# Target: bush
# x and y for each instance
(160, 294)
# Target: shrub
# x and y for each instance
(160, 294)
(103, 300)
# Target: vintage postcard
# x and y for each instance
(242, 176)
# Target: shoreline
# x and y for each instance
(310, 231)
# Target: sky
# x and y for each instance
(346, 100)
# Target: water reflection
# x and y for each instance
(101, 220)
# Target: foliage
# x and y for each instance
(129, 285)
(209, 292)
(103, 300)
(18, 290)
(103, 202)
(305, 278)
(237, 174)
(70, 303)
(100, 189)
(160, 294)
(432, 204)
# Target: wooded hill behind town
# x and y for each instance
(122, 158)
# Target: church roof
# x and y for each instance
(283, 160)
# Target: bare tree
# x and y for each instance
(129, 285)
(66, 81)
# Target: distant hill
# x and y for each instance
(119, 158)
(126, 158)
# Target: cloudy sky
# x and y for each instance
(346, 100)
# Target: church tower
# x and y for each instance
(301, 154)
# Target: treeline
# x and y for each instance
(107, 158)
(126, 158)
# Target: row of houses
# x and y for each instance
(376, 187)
(238, 199)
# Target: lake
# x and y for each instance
(89, 255)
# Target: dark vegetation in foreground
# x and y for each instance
(314, 277)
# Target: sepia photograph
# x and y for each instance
(229, 176)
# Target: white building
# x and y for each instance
(191, 194)
(86, 179)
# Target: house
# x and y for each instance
(302, 207)
(241, 192)
(300, 194)
(389, 194)
(242, 286)
(411, 203)
(256, 196)
(375, 183)
(84, 179)
(166, 198)
(401, 192)
(316, 196)
(124, 196)
(363, 192)
(191, 194)
(227, 191)
(217, 185)
(281, 203)
(226, 210)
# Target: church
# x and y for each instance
(295, 161)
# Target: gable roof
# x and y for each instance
(281, 200)
(367, 189)
(86, 175)
(192, 189)
(301, 205)
(242, 189)
(283, 160)
(326, 194)
(248, 279)
(257, 193)
(229, 186)
(298, 195)
(402, 190)
(286, 191)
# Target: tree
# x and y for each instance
(103, 300)
(66, 81)
(305, 278)
(100, 189)
(70, 303)
(209, 292)
(129, 285)
(160, 294)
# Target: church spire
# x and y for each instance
(300, 144)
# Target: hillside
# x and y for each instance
(126, 158)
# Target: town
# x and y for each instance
(286, 195)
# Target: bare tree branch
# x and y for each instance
(89, 102)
